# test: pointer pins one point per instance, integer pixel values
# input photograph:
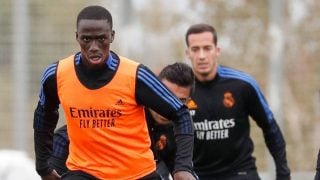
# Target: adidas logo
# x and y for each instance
(119, 102)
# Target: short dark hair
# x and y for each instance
(200, 28)
(95, 13)
(178, 73)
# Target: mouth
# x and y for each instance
(202, 66)
(95, 58)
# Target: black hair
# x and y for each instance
(178, 73)
(200, 28)
(95, 13)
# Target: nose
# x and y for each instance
(202, 54)
(94, 46)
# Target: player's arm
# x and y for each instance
(60, 150)
(151, 93)
(261, 113)
(45, 120)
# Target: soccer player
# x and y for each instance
(103, 96)
(225, 98)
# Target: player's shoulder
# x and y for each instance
(228, 72)
(49, 72)
(51, 69)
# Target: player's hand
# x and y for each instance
(183, 175)
(53, 175)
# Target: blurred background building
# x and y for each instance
(278, 42)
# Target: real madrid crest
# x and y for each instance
(228, 100)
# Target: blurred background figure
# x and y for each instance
(16, 165)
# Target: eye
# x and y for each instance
(85, 38)
(102, 38)
(194, 49)
(208, 48)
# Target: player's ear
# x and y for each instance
(112, 35)
(77, 35)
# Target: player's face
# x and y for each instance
(94, 38)
(203, 55)
(183, 93)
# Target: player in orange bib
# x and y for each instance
(103, 96)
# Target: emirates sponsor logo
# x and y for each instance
(214, 129)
